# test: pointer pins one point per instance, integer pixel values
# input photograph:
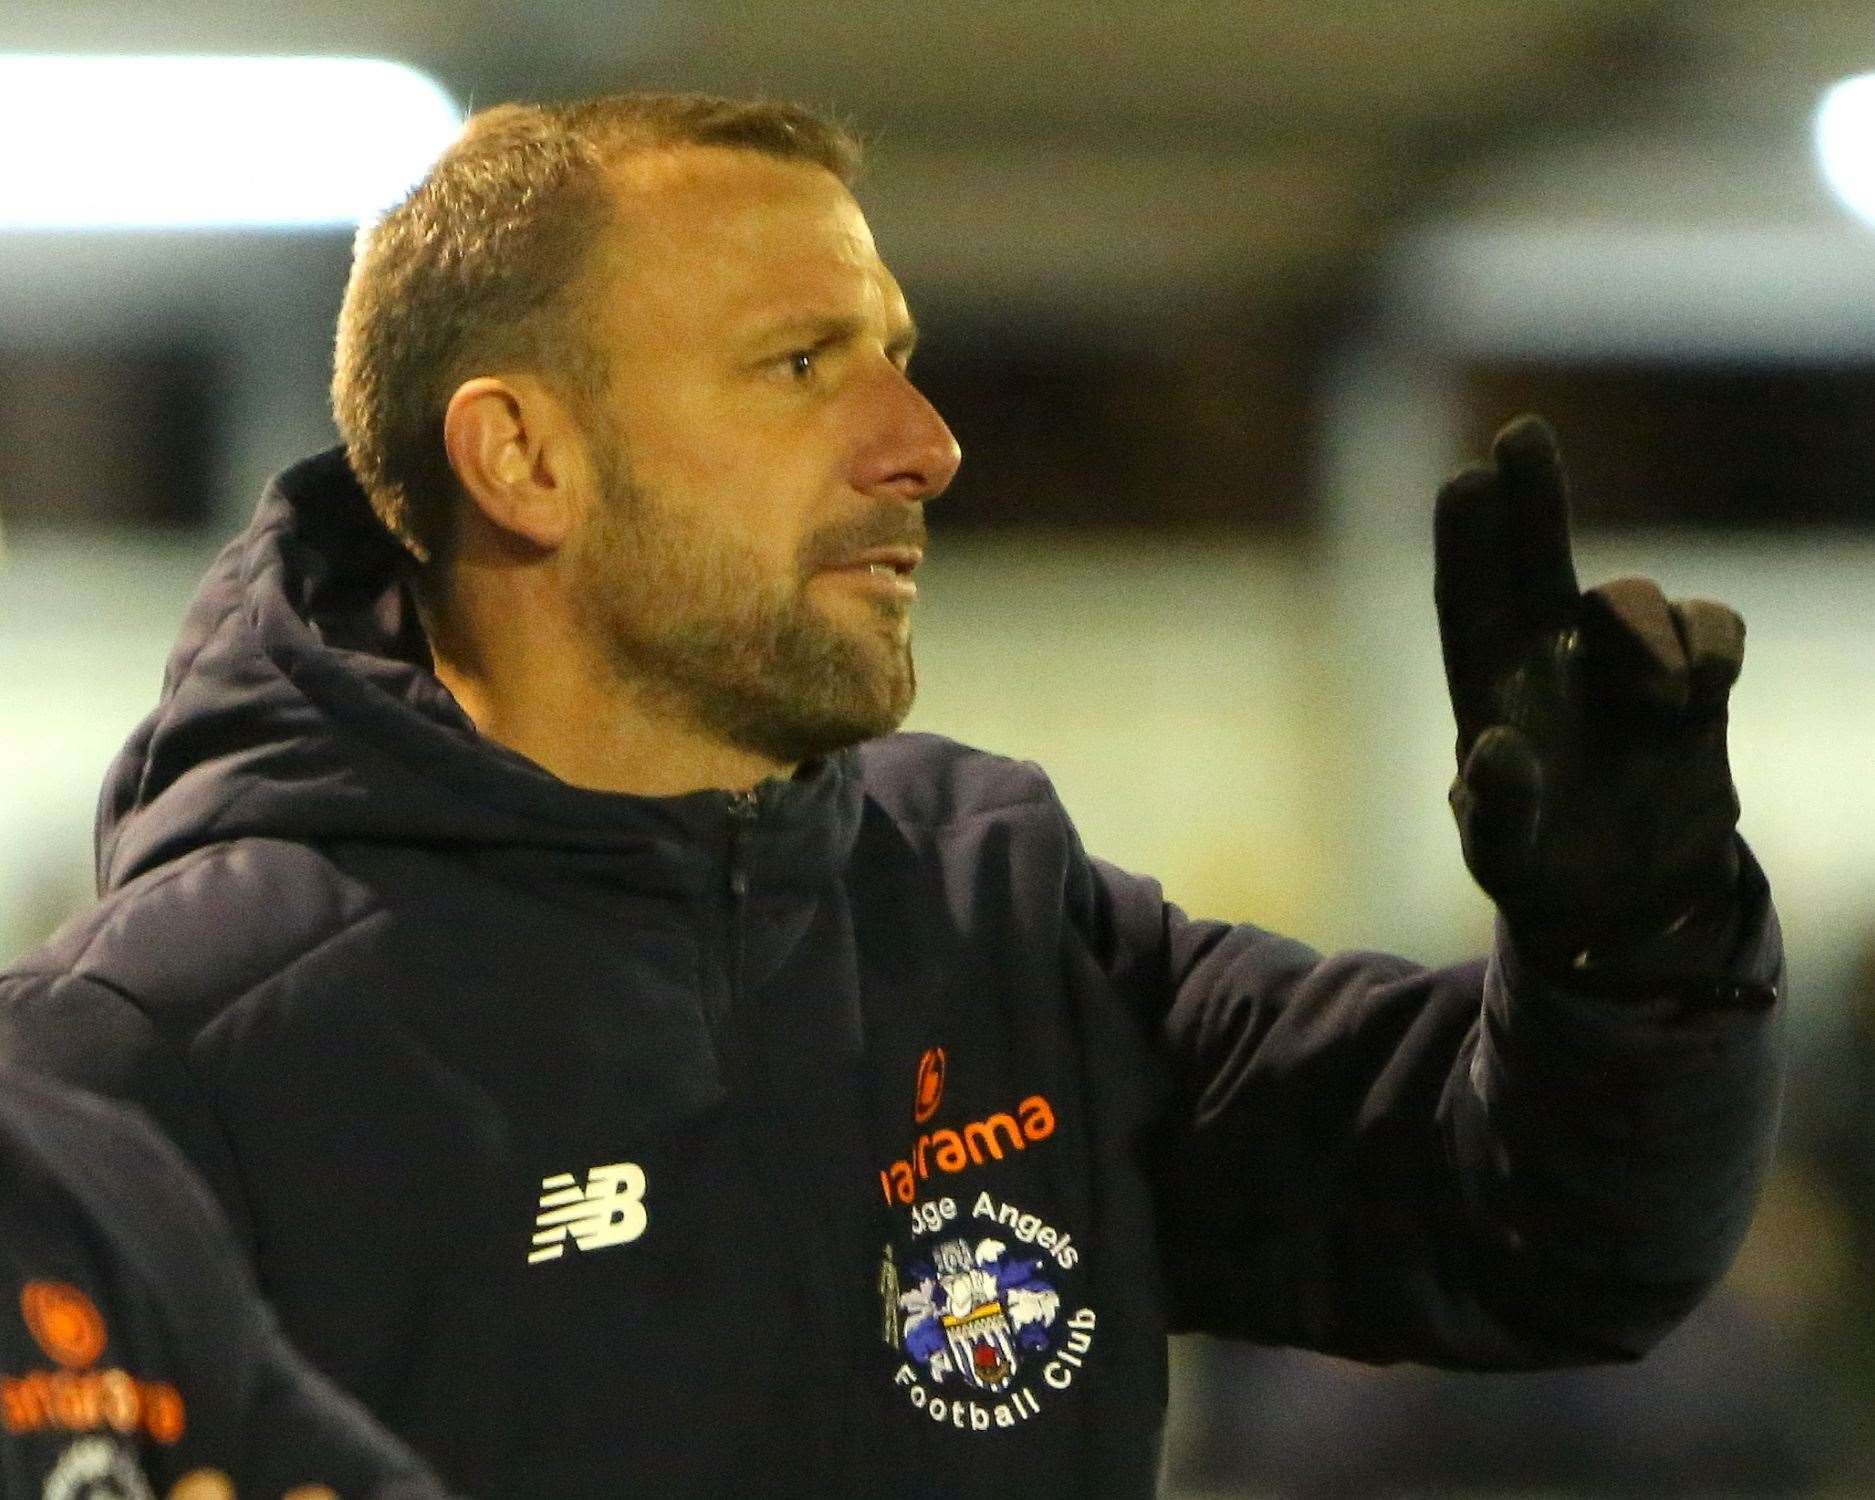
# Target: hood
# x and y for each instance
(299, 703)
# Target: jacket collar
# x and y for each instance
(299, 703)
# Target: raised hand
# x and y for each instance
(1593, 797)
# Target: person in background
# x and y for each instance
(136, 1358)
(633, 1066)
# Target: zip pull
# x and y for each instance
(745, 804)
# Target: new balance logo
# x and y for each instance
(609, 1210)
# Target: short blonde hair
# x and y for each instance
(479, 268)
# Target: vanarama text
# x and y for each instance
(980, 1140)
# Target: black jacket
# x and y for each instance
(133, 1349)
(858, 1136)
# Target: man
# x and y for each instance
(636, 1069)
(135, 1358)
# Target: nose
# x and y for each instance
(913, 456)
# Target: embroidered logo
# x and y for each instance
(609, 1210)
(957, 1148)
(63, 1321)
(94, 1468)
(67, 1325)
(929, 1090)
(999, 1134)
(980, 1323)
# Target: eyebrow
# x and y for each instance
(818, 330)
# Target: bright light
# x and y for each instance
(1845, 143)
(212, 142)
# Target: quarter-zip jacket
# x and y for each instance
(858, 1136)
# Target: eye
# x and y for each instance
(800, 364)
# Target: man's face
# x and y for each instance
(764, 458)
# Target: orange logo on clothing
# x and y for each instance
(930, 1090)
(978, 1141)
(63, 1322)
(76, 1398)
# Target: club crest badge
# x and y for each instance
(976, 1312)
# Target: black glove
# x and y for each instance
(1593, 796)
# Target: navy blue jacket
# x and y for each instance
(133, 1349)
(861, 1135)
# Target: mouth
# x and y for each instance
(884, 572)
(899, 562)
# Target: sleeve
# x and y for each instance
(291, 1427)
(95, 1038)
(1461, 1166)
(303, 1431)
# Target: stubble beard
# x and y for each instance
(689, 622)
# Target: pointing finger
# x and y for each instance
(1536, 500)
(1477, 619)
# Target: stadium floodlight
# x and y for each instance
(129, 142)
(1845, 143)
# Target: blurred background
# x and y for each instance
(1213, 296)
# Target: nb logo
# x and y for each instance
(610, 1210)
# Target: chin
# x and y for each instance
(826, 728)
(819, 692)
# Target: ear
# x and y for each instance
(517, 456)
